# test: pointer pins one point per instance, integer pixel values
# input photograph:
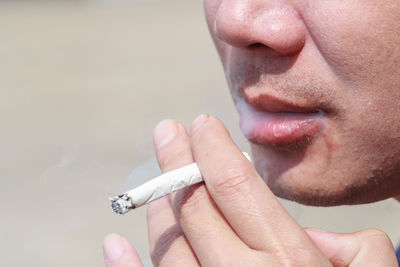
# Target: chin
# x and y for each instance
(307, 191)
(311, 179)
(314, 194)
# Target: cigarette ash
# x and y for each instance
(121, 204)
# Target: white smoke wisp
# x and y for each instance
(69, 155)
(142, 174)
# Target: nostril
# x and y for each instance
(277, 50)
(262, 48)
(256, 46)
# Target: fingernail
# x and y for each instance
(164, 132)
(198, 122)
(113, 247)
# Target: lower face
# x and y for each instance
(324, 124)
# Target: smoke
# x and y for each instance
(55, 172)
(142, 174)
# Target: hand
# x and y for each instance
(234, 219)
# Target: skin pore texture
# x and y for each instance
(317, 86)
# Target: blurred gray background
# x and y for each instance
(82, 85)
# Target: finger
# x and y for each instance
(207, 231)
(118, 252)
(168, 245)
(200, 221)
(369, 247)
(240, 193)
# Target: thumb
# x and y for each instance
(118, 252)
(370, 247)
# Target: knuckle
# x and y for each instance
(374, 235)
(376, 241)
(232, 181)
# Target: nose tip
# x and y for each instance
(262, 25)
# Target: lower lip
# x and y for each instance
(281, 127)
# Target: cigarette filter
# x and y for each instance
(158, 187)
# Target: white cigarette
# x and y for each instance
(158, 187)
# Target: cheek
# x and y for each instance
(373, 132)
(359, 40)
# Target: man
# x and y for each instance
(317, 86)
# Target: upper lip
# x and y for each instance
(269, 103)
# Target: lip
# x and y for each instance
(272, 121)
(269, 103)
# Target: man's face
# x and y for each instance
(317, 86)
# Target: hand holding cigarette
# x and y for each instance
(158, 187)
(232, 219)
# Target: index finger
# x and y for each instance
(240, 193)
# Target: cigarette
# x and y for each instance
(158, 187)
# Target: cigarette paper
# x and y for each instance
(158, 187)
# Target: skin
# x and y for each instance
(234, 219)
(340, 57)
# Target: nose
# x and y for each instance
(270, 25)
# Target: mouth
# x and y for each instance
(267, 120)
